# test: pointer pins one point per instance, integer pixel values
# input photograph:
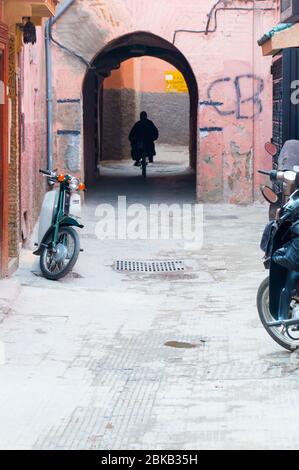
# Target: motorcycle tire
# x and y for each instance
(55, 276)
(262, 302)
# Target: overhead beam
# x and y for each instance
(282, 40)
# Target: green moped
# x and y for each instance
(58, 243)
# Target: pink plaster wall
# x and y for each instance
(228, 62)
(33, 147)
(124, 77)
(152, 74)
(143, 74)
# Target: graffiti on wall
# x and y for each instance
(246, 89)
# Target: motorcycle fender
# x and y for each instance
(70, 221)
(38, 251)
(277, 285)
(65, 222)
(48, 209)
(282, 281)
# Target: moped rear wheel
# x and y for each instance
(279, 334)
(55, 264)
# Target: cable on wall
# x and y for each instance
(213, 13)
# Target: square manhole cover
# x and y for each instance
(151, 266)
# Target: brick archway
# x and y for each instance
(128, 46)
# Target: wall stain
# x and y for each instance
(238, 162)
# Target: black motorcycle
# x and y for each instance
(286, 159)
(278, 294)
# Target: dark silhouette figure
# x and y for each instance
(142, 137)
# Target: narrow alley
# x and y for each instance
(114, 360)
(149, 173)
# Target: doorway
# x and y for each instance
(106, 124)
(156, 87)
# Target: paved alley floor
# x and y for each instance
(92, 361)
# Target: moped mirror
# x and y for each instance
(271, 148)
(269, 194)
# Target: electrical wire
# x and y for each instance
(214, 11)
(71, 52)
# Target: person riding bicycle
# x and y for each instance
(142, 137)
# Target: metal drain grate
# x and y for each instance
(149, 266)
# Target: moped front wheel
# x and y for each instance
(56, 263)
(278, 333)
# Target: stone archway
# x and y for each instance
(110, 57)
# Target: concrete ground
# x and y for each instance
(98, 360)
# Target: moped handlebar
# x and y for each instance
(273, 174)
(46, 172)
(284, 176)
(264, 172)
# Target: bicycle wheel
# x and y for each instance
(144, 164)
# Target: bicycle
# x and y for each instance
(144, 157)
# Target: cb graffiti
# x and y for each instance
(247, 88)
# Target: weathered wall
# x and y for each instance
(233, 78)
(119, 115)
(13, 168)
(33, 132)
(170, 113)
(27, 143)
(25, 119)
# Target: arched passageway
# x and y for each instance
(110, 58)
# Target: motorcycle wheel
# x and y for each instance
(276, 333)
(55, 265)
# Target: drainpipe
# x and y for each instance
(49, 94)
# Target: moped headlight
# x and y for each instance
(289, 176)
(74, 183)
